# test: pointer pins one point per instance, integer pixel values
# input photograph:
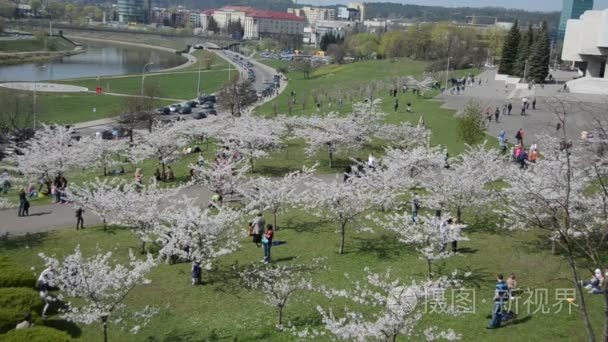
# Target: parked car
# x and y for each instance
(175, 107)
(207, 105)
(164, 111)
(210, 112)
(207, 98)
(192, 104)
(200, 115)
(107, 135)
(185, 110)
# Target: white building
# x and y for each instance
(228, 14)
(260, 24)
(586, 44)
(313, 14)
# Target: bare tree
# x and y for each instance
(236, 96)
(137, 109)
(16, 116)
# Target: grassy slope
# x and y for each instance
(30, 45)
(223, 309)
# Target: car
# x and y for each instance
(200, 115)
(210, 111)
(207, 105)
(249, 64)
(192, 104)
(198, 46)
(107, 135)
(207, 98)
(175, 107)
(164, 111)
(185, 110)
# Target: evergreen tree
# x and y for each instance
(213, 26)
(523, 52)
(509, 51)
(538, 62)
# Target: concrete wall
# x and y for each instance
(587, 85)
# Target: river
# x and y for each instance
(100, 59)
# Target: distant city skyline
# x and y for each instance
(535, 5)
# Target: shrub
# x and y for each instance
(14, 304)
(12, 275)
(36, 334)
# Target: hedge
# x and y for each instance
(36, 334)
(12, 275)
(15, 303)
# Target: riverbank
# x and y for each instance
(32, 50)
(189, 58)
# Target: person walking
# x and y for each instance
(496, 114)
(519, 136)
(409, 107)
(502, 141)
(396, 105)
(267, 242)
(79, 218)
(196, 273)
(258, 229)
(415, 206)
(26, 208)
(500, 295)
(509, 108)
(44, 281)
(523, 110)
(534, 103)
(22, 200)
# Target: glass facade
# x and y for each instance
(572, 9)
(134, 11)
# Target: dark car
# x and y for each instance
(200, 115)
(107, 135)
(192, 104)
(185, 110)
(210, 112)
(207, 98)
(164, 111)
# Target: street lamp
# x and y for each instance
(198, 84)
(447, 74)
(35, 87)
(143, 71)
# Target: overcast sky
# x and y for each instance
(532, 5)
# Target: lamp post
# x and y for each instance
(143, 71)
(447, 74)
(198, 84)
(35, 88)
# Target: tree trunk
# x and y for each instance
(429, 268)
(104, 319)
(342, 234)
(280, 315)
(581, 296)
(105, 223)
(459, 215)
(105, 171)
(274, 221)
(553, 247)
(331, 158)
(164, 175)
(251, 164)
(143, 247)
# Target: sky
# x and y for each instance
(531, 5)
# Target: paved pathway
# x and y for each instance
(584, 108)
(49, 217)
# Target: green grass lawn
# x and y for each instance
(223, 309)
(31, 45)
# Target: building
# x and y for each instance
(572, 9)
(360, 8)
(270, 24)
(313, 14)
(257, 23)
(481, 20)
(134, 11)
(314, 33)
(586, 45)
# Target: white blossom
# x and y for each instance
(397, 309)
(96, 287)
(199, 235)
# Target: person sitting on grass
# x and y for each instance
(169, 176)
(594, 285)
(27, 322)
(196, 273)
